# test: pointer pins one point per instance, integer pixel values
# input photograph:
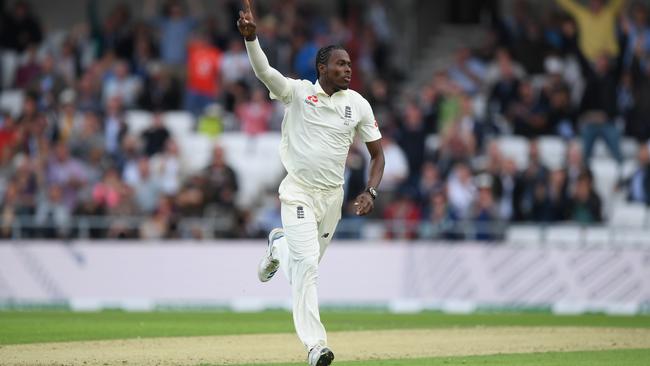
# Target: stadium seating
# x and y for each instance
(12, 101)
(552, 150)
(138, 121)
(516, 148)
(179, 122)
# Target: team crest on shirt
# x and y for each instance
(312, 100)
(347, 116)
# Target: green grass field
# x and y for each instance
(30, 327)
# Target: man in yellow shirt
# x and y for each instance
(596, 24)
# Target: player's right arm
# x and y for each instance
(277, 84)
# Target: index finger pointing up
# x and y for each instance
(247, 6)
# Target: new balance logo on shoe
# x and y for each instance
(301, 212)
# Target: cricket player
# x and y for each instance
(319, 125)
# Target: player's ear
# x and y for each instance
(322, 69)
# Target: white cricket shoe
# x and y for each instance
(320, 356)
(269, 265)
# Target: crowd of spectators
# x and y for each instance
(577, 72)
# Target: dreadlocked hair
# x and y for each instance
(324, 54)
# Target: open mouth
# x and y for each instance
(347, 79)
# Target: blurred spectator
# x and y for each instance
(166, 168)
(48, 83)
(402, 216)
(68, 62)
(461, 190)
(109, 34)
(574, 166)
(530, 187)
(235, 66)
(440, 221)
(221, 181)
(8, 138)
(145, 186)
(254, 114)
(9, 210)
(467, 71)
(174, 28)
(562, 116)
(162, 91)
(596, 25)
(585, 205)
(638, 123)
(88, 136)
(162, 224)
(430, 182)
(203, 74)
(52, 214)
(122, 85)
(305, 56)
(20, 28)
(115, 127)
(555, 204)
(505, 88)
(67, 172)
(598, 108)
(68, 120)
(639, 183)
(458, 137)
(191, 198)
(411, 138)
(29, 70)
(155, 136)
(106, 194)
(638, 32)
(504, 187)
(528, 113)
(28, 179)
(485, 211)
(88, 93)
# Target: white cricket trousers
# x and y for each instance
(309, 219)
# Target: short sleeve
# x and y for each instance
(368, 128)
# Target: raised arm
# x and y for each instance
(272, 78)
(570, 6)
(614, 6)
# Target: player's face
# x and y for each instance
(339, 69)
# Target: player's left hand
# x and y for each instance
(364, 204)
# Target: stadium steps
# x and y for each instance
(439, 54)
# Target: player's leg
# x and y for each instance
(330, 217)
(301, 265)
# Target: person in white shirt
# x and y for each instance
(319, 125)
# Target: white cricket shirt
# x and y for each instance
(317, 129)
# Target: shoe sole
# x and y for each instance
(326, 358)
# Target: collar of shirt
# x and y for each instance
(319, 90)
